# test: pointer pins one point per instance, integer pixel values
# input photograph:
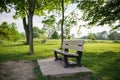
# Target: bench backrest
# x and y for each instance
(73, 44)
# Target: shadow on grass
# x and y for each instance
(105, 66)
(21, 56)
(11, 56)
(23, 44)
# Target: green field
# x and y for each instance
(102, 57)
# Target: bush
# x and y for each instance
(116, 41)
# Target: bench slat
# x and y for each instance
(65, 53)
(78, 48)
(75, 42)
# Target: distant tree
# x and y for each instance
(5, 31)
(113, 36)
(118, 36)
(14, 32)
(91, 36)
(37, 33)
(72, 36)
(67, 32)
(102, 35)
(22, 35)
(55, 35)
(49, 25)
(9, 32)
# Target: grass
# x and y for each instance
(102, 57)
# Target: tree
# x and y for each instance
(67, 32)
(113, 36)
(14, 32)
(62, 22)
(101, 12)
(55, 35)
(5, 31)
(70, 21)
(21, 11)
(102, 35)
(31, 8)
(22, 35)
(9, 32)
(91, 36)
(49, 25)
(37, 32)
(22, 8)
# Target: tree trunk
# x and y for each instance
(30, 21)
(26, 28)
(62, 36)
(31, 7)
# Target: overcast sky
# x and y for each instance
(8, 17)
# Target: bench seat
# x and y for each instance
(66, 53)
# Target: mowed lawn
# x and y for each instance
(103, 58)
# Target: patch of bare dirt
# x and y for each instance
(17, 70)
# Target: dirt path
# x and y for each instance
(17, 70)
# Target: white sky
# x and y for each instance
(8, 17)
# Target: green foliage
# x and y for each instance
(49, 20)
(14, 32)
(5, 31)
(38, 33)
(91, 36)
(114, 36)
(55, 35)
(9, 32)
(3, 7)
(100, 12)
(104, 35)
(22, 35)
(116, 41)
(49, 25)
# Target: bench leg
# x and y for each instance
(79, 59)
(66, 61)
(56, 56)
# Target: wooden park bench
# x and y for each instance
(73, 45)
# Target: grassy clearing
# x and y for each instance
(102, 57)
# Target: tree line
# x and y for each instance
(10, 32)
(104, 35)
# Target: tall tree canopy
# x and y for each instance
(101, 12)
